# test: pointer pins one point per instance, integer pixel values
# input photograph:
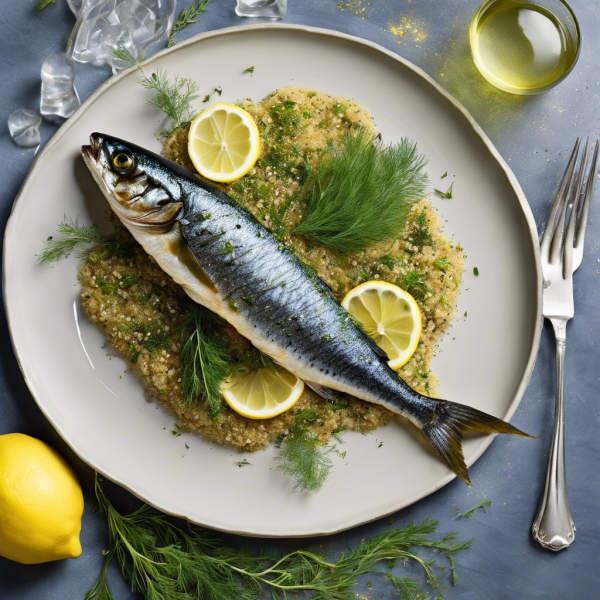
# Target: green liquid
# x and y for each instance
(521, 47)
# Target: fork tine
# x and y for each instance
(589, 192)
(560, 196)
(575, 195)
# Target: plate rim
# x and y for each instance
(525, 209)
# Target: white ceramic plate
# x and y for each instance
(99, 408)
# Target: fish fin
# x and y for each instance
(445, 428)
(324, 392)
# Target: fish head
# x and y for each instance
(138, 185)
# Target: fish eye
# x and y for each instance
(122, 161)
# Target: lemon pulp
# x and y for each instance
(223, 142)
(389, 315)
(263, 393)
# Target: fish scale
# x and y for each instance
(226, 260)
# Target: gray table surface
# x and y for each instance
(533, 135)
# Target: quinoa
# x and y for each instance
(140, 309)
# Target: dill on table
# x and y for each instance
(173, 98)
(43, 4)
(447, 194)
(363, 192)
(72, 237)
(206, 359)
(471, 511)
(186, 18)
(301, 455)
(160, 560)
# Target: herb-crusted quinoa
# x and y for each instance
(140, 309)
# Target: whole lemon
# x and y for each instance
(41, 502)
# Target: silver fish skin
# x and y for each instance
(227, 261)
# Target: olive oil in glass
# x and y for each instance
(524, 47)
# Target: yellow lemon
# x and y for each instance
(389, 315)
(262, 393)
(41, 502)
(223, 142)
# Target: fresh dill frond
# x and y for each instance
(186, 18)
(162, 560)
(72, 237)
(447, 194)
(469, 513)
(43, 4)
(207, 97)
(206, 360)
(363, 192)
(302, 457)
(173, 98)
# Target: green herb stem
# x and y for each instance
(186, 18)
(161, 560)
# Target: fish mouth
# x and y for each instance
(91, 153)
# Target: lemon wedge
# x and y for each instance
(389, 315)
(223, 142)
(263, 393)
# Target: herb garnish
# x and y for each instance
(471, 511)
(174, 99)
(444, 175)
(363, 192)
(249, 70)
(43, 4)
(302, 457)
(218, 90)
(73, 238)
(475, 271)
(447, 194)
(162, 560)
(186, 18)
(243, 463)
(206, 360)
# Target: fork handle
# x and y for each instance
(553, 526)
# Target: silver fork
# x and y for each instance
(561, 254)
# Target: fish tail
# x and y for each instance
(446, 426)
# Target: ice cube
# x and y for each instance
(23, 125)
(107, 25)
(59, 96)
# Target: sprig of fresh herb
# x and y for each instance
(207, 97)
(206, 359)
(447, 194)
(302, 456)
(73, 237)
(43, 4)
(186, 18)
(363, 192)
(481, 505)
(173, 98)
(161, 560)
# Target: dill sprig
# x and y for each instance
(363, 192)
(173, 98)
(43, 4)
(186, 18)
(301, 455)
(469, 513)
(206, 360)
(161, 560)
(73, 237)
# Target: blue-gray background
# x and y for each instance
(533, 135)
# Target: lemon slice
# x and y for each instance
(223, 142)
(389, 315)
(262, 393)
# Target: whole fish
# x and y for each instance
(227, 261)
